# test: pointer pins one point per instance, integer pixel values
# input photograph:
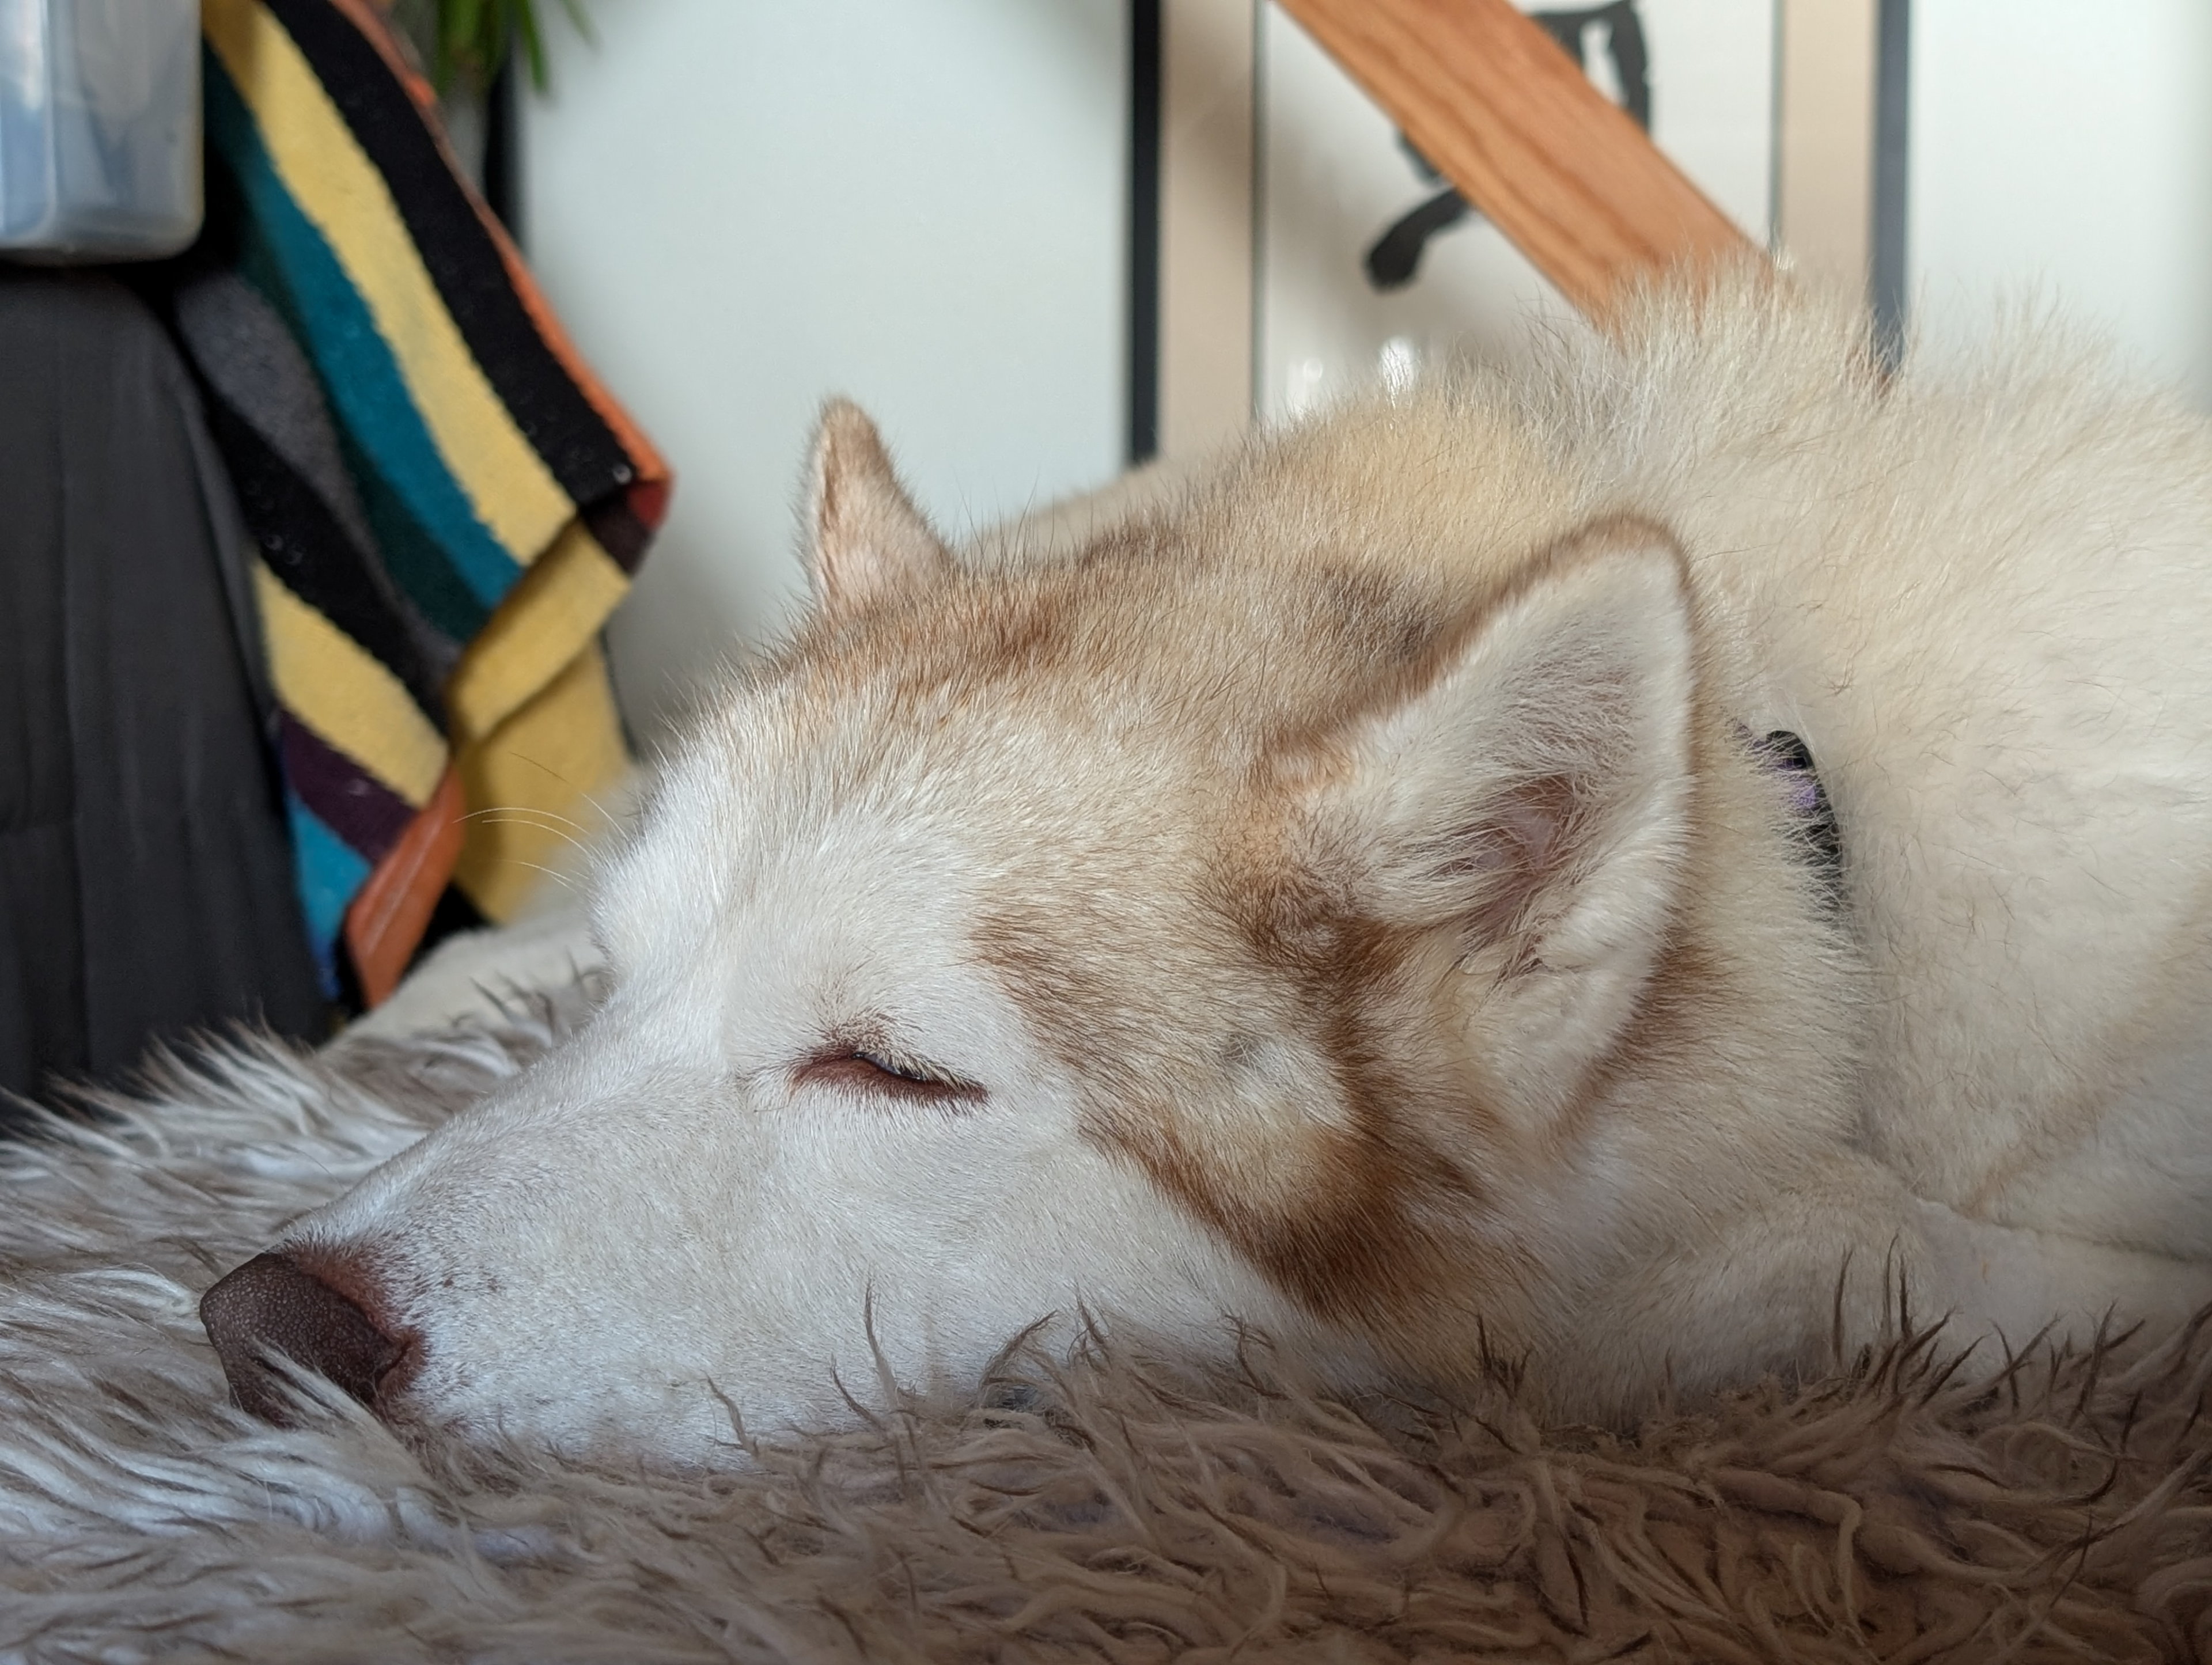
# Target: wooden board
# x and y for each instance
(1505, 116)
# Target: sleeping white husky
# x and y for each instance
(1353, 894)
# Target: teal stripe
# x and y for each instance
(411, 555)
(360, 375)
(329, 873)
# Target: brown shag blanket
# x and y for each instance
(1915, 1508)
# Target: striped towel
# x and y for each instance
(447, 505)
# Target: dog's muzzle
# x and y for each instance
(273, 1305)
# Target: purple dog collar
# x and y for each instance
(1787, 756)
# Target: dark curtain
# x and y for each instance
(145, 883)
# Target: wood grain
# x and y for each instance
(1518, 128)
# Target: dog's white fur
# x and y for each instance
(1335, 894)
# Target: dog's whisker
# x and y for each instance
(606, 814)
(536, 810)
(499, 818)
(560, 878)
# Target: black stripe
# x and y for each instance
(579, 447)
(306, 546)
(503, 149)
(1145, 116)
(419, 567)
(619, 531)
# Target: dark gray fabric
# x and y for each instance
(252, 363)
(145, 883)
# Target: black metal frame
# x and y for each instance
(1145, 119)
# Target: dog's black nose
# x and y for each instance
(271, 1304)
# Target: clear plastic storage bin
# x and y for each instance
(100, 128)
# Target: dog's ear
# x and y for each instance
(870, 541)
(1524, 794)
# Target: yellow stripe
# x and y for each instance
(529, 788)
(547, 619)
(346, 695)
(338, 189)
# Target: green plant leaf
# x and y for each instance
(473, 39)
(533, 48)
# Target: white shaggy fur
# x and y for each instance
(136, 1502)
(1339, 898)
(2055, 1513)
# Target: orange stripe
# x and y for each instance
(388, 914)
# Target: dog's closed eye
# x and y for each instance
(869, 1070)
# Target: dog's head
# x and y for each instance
(1225, 923)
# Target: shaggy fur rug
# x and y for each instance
(1911, 1509)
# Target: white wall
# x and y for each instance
(741, 206)
(2065, 149)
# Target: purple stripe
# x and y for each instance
(359, 808)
